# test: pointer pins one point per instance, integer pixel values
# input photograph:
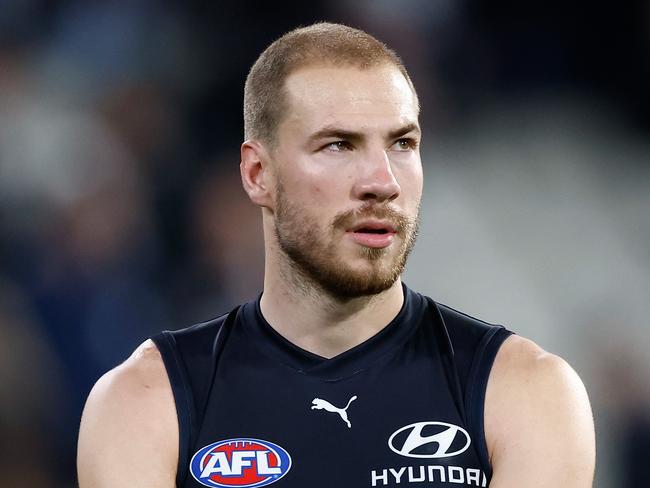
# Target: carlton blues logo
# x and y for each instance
(240, 462)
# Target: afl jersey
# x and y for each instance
(403, 408)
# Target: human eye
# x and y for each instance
(405, 144)
(338, 146)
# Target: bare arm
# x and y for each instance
(538, 422)
(129, 429)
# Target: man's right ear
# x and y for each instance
(256, 175)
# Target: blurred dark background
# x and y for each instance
(121, 211)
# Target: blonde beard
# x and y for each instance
(313, 261)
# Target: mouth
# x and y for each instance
(375, 234)
(374, 227)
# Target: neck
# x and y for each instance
(311, 318)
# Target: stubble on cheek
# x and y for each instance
(312, 250)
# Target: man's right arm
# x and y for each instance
(129, 428)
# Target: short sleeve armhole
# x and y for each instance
(183, 398)
(477, 385)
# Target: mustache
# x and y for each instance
(347, 219)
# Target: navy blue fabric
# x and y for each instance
(236, 377)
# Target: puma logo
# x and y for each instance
(320, 404)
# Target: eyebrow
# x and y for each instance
(412, 127)
(338, 133)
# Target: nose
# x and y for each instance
(376, 180)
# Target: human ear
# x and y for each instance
(256, 174)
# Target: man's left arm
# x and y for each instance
(538, 422)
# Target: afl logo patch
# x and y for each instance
(240, 462)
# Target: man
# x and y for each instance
(338, 375)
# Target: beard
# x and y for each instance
(312, 253)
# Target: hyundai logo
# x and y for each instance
(438, 440)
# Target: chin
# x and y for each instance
(358, 289)
(366, 279)
(341, 269)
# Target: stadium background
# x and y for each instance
(121, 211)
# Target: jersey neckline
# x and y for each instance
(346, 364)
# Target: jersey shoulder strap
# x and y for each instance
(191, 356)
(473, 345)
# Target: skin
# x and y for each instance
(538, 422)
(326, 176)
(130, 413)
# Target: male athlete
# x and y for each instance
(338, 375)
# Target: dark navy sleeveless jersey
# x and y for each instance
(403, 408)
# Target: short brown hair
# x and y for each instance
(321, 43)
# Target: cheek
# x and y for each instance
(310, 198)
(411, 184)
(318, 191)
(310, 182)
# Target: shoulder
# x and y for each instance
(538, 421)
(464, 327)
(129, 413)
(522, 367)
(475, 344)
(197, 338)
(141, 377)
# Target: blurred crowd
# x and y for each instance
(121, 211)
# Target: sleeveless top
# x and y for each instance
(404, 407)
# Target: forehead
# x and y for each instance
(374, 98)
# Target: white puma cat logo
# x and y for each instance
(320, 404)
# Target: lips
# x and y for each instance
(374, 227)
(373, 233)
